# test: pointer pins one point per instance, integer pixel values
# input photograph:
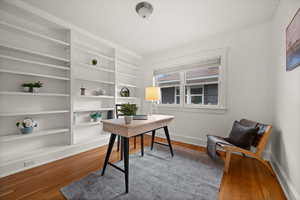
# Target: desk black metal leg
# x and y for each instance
(122, 148)
(153, 136)
(126, 161)
(168, 138)
(142, 144)
(109, 149)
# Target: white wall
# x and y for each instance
(248, 83)
(286, 134)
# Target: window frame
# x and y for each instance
(193, 95)
(222, 84)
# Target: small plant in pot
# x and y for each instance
(27, 87)
(37, 86)
(95, 116)
(128, 110)
(26, 126)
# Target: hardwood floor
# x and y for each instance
(247, 179)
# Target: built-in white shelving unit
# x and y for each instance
(97, 81)
(18, 136)
(33, 52)
(32, 33)
(34, 62)
(96, 97)
(33, 94)
(95, 67)
(35, 48)
(48, 112)
(127, 77)
(93, 109)
(87, 124)
(33, 74)
(100, 76)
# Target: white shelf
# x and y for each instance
(8, 138)
(33, 94)
(11, 114)
(91, 50)
(93, 109)
(96, 97)
(87, 124)
(128, 75)
(33, 74)
(126, 98)
(95, 67)
(133, 66)
(35, 34)
(34, 52)
(127, 85)
(97, 81)
(34, 62)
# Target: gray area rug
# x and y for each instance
(188, 175)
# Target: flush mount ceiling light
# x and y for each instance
(144, 9)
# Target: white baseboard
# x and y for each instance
(40, 159)
(288, 188)
(184, 139)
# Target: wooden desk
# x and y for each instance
(137, 127)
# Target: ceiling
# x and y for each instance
(173, 22)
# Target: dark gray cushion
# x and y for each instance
(242, 136)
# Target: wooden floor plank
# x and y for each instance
(247, 179)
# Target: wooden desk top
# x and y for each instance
(136, 127)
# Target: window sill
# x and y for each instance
(193, 108)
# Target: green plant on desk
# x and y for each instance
(128, 110)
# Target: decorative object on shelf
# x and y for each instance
(292, 43)
(99, 92)
(27, 87)
(82, 91)
(144, 9)
(152, 94)
(95, 116)
(26, 126)
(36, 86)
(32, 87)
(94, 62)
(124, 92)
(128, 110)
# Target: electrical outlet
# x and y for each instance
(28, 163)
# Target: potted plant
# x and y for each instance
(128, 110)
(26, 126)
(36, 86)
(95, 116)
(94, 62)
(27, 87)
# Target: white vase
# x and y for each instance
(128, 119)
(96, 119)
(26, 89)
(35, 90)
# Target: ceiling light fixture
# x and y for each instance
(144, 9)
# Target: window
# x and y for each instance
(191, 85)
(201, 86)
(170, 87)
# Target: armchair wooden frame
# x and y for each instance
(260, 147)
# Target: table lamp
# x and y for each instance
(152, 94)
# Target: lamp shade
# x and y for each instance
(152, 93)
